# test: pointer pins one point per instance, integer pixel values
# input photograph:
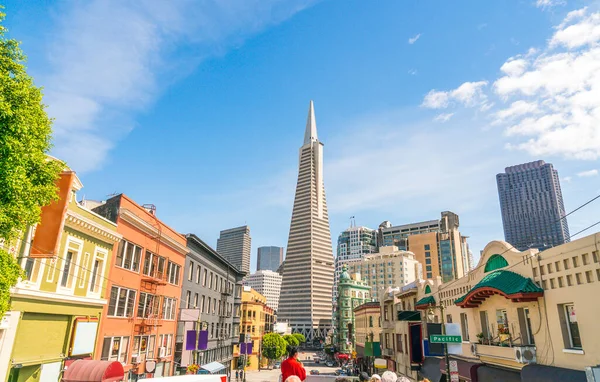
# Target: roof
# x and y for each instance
(200, 243)
(506, 283)
(424, 302)
(368, 304)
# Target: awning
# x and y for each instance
(213, 367)
(431, 369)
(425, 302)
(509, 284)
(409, 315)
(541, 373)
(466, 370)
(94, 371)
(494, 374)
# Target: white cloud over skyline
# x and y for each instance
(414, 39)
(586, 174)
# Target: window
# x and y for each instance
(143, 346)
(464, 326)
(166, 341)
(115, 349)
(211, 281)
(399, 343)
(128, 256)
(427, 247)
(427, 261)
(204, 278)
(188, 299)
(86, 259)
(502, 321)
(198, 274)
(427, 254)
(168, 308)
(525, 326)
(68, 271)
(569, 318)
(483, 317)
(191, 271)
(97, 272)
(121, 302)
(173, 273)
(429, 275)
(148, 305)
(202, 305)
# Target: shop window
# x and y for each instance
(115, 349)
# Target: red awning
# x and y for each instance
(343, 356)
(94, 371)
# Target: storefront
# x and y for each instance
(467, 371)
(496, 374)
(541, 373)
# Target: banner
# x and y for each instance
(190, 340)
(203, 340)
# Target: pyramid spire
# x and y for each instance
(311, 125)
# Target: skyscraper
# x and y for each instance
(267, 283)
(305, 301)
(269, 258)
(353, 244)
(532, 206)
(234, 245)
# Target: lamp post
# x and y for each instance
(431, 315)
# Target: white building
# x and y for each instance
(267, 283)
(390, 267)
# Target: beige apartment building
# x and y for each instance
(388, 268)
(522, 316)
(367, 321)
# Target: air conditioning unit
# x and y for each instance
(162, 352)
(474, 349)
(525, 354)
(135, 359)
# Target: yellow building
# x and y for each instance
(521, 315)
(257, 319)
(367, 328)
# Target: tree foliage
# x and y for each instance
(291, 340)
(27, 177)
(273, 346)
(300, 337)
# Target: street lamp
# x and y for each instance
(431, 316)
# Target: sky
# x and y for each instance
(199, 107)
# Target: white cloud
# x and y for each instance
(567, 179)
(412, 72)
(414, 39)
(548, 3)
(587, 173)
(107, 57)
(549, 100)
(444, 117)
(468, 94)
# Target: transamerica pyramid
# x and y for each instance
(305, 301)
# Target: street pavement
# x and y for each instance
(273, 375)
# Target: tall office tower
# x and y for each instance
(234, 245)
(532, 206)
(269, 258)
(267, 283)
(305, 301)
(437, 245)
(353, 244)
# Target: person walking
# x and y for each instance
(237, 375)
(242, 375)
(291, 366)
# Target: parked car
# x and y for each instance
(277, 365)
(314, 372)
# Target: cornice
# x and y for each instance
(133, 219)
(79, 222)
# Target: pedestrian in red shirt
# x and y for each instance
(291, 366)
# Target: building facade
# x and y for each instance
(57, 306)
(234, 245)
(210, 301)
(437, 244)
(257, 320)
(353, 244)
(531, 202)
(367, 328)
(267, 283)
(269, 258)
(305, 301)
(352, 292)
(521, 315)
(390, 267)
(144, 287)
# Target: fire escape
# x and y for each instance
(223, 334)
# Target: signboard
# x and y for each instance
(380, 363)
(445, 339)
(84, 337)
(454, 330)
(453, 371)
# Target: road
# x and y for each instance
(273, 375)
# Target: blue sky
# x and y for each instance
(200, 107)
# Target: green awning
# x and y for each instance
(425, 302)
(505, 283)
(409, 315)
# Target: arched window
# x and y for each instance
(370, 321)
(427, 289)
(353, 293)
(346, 293)
(495, 262)
(359, 294)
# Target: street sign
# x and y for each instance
(444, 339)
(453, 371)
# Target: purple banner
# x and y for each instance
(249, 348)
(203, 340)
(190, 340)
(243, 348)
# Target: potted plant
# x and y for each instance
(193, 368)
(480, 337)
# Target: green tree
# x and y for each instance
(27, 176)
(291, 340)
(300, 337)
(273, 346)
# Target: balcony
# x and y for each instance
(514, 356)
